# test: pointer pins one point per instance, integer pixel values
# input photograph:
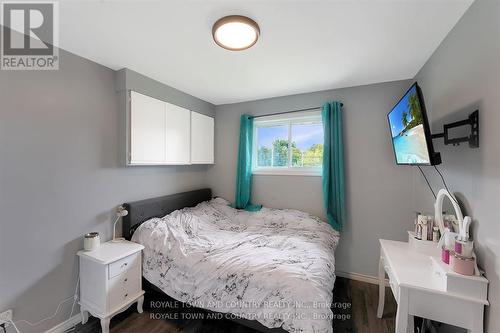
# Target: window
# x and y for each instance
(288, 144)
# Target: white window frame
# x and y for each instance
(287, 119)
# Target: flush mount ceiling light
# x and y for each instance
(235, 32)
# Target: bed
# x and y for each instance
(272, 269)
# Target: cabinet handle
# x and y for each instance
(124, 264)
(126, 279)
(125, 296)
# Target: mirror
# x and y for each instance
(445, 199)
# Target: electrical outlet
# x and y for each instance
(6, 316)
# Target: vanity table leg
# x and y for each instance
(140, 301)
(402, 312)
(478, 323)
(381, 288)
(85, 316)
(411, 324)
(105, 324)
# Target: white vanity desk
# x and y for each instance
(427, 288)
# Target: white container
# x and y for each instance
(422, 246)
(91, 241)
(467, 249)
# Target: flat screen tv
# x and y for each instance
(410, 132)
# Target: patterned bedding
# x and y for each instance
(275, 266)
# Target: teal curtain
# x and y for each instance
(244, 171)
(333, 165)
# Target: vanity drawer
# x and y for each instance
(118, 267)
(123, 287)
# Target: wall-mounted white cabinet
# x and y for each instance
(148, 131)
(202, 139)
(161, 133)
(178, 134)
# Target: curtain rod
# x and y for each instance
(284, 112)
(291, 111)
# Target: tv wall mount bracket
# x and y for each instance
(472, 139)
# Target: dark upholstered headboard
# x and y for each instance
(143, 210)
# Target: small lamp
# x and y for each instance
(121, 212)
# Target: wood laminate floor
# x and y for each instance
(355, 308)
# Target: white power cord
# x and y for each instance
(74, 298)
(14, 325)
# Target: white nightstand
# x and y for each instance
(110, 280)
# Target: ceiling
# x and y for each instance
(305, 45)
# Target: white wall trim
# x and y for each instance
(65, 325)
(361, 277)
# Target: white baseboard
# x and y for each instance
(348, 275)
(66, 324)
(361, 277)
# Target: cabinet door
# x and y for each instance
(178, 137)
(202, 139)
(147, 130)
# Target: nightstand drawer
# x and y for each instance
(124, 287)
(118, 267)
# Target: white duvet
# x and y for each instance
(275, 266)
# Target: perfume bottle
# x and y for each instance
(418, 235)
(435, 234)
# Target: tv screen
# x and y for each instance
(410, 132)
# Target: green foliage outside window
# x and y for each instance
(278, 155)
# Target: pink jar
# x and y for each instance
(463, 265)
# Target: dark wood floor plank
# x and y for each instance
(342, 306)
(359, 311)
(355, 300)
(375, 324)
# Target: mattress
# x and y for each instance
(275, 266)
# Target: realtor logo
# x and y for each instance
(29, 31)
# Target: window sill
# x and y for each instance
(313, 173)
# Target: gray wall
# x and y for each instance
(464, 74)
(379, 194)
(60, 178)
(127, 79)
